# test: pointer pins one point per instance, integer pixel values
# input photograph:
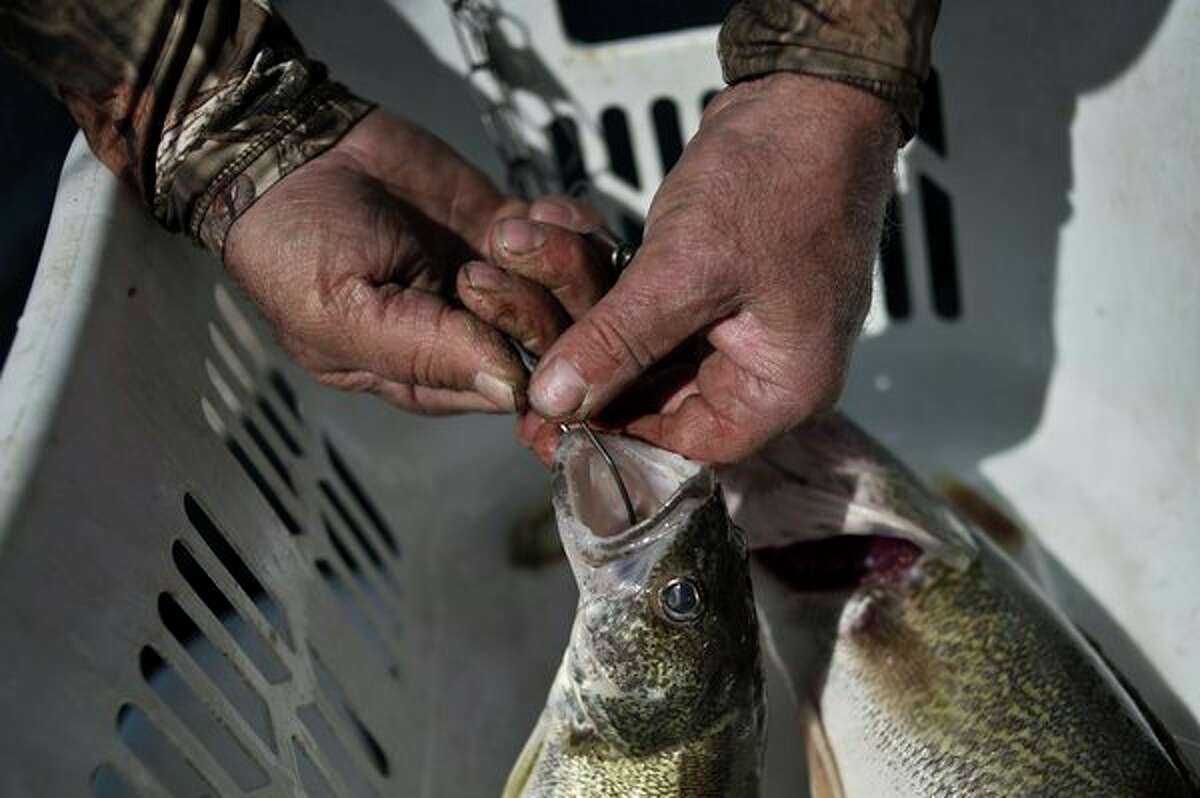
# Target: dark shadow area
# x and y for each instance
(988, 191)
(595, 23)
(376, 52)
(35, 132)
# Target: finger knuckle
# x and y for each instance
(424, 363)
(613, 340)
(355, 381)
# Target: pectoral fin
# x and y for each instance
(823, 778)
(522, 770)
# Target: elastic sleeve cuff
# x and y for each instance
(881, 48)
(244, 137)
(296, 136)
(830, 66)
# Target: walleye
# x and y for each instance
(660, 691)
(925, 663)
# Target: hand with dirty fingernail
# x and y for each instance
(354, 257)
(752, 280)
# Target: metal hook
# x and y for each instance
(622, 253)
(530, 361)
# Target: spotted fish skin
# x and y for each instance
(644, 705)
(937, 668)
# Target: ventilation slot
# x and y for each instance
(268, 452)
(217, 422)
(359, 616)
(332, 749)
(159, 755)
(615, 126)
(264, 487)
(288, 396)
(344, 514)
(174, 692)
(708, 97)
(314, 783)
(336, 695)
(252, 644)
(931, 126)
(224, 551)
(362, 576)
(277, 424)
(360, 497)
(893, 263)
(217, 667)
(668, 132)
(564, 138)
(939, 238)
(343, 553)
(106, 782)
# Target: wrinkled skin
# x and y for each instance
(737, 317)
(643, 704)
(353, 257)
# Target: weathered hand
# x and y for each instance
(353, 259)
(739, 312)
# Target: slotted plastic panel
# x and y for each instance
(214, 575)
(210, 589)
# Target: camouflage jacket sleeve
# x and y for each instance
(200, 105)
(881, 46)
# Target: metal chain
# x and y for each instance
(474, 22)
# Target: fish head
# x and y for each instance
(665, 643)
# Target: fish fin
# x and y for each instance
(518, 778)
(1162, 735)
(824, 781)
(828, 478)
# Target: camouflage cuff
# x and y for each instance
(242, 139)
(880, 46)
(296, 137)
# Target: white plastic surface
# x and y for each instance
(1067, 391)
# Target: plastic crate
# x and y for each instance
(217, 578)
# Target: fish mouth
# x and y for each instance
(592, 517)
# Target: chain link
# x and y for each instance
(474, 24)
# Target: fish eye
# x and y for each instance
(680, 600)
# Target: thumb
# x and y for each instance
(655, 305)
(412, 337)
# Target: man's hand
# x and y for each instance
(737, 317)
(353, 258)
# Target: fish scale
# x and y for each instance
(940, 669)
(646, 703)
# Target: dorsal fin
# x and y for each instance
(522, 769)
(824, 780)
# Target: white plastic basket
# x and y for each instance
(216, 577)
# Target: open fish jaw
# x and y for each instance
(660, 690)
